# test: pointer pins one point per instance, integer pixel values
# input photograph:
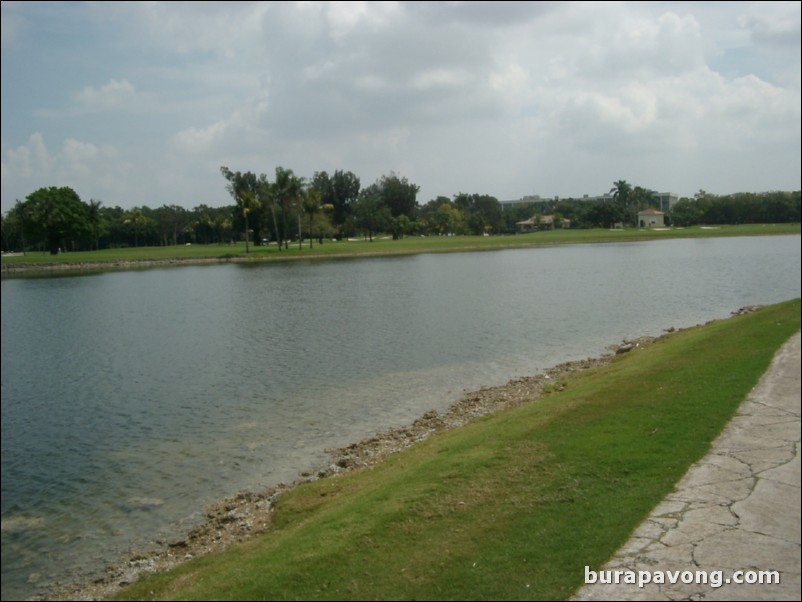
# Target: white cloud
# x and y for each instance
(773, 22)
(85, 160)
(27, 160)
(183, 28)
(439, 78)
(507, 98)
(114, 94)
(88, 168)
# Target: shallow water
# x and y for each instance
(131, 400)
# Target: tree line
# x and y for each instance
(739, 208)
(625, 201)
(287, 209)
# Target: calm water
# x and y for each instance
(132, 400)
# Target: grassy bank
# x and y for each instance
(112, 258)
(514, 505)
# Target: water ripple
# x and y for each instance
(131, 400)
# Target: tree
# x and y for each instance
(481, 212)
(641, 198)
(223, 227)
(203, 225)
(311, 206)
(57, 217)
(267, 197)
(323, 223)
(622, 193)
(447, 219)
(400, 226)
(604, 214)
(173, 219)
(287, 190)
(115, 231)
(95, 219)
(244, 189)
(300, 198)
(340, 191)
(399, 195)
(686, 212)
(14, 226)
(370, 211)
(138, 221)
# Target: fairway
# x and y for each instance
(144, 257)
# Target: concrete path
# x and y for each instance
(738, 509)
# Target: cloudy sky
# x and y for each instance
(141, 103)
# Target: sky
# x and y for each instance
(141, 103)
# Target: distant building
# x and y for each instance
(542, 222)
(528, 225)
(651, 218)
(600, 197)
(665, 201)
(525, 200)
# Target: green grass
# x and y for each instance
(514, 505)
(385, 246)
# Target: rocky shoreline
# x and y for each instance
(23, 269)
(235, 519)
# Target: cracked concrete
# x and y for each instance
(737, 509)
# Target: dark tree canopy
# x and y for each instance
(340, 190)
(399, 195)
(481, 211)
(244, 189)
(56, 217)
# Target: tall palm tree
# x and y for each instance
(267, 196)
(94, 219)
(21, 212)
(311, 206)
(247, 203)
(622, 193)
(287, 190)
(640, 200)
(243, 188)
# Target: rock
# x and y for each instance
(234, 519)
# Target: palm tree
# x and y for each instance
(20, 211)
(267, 195)
(641, 198)
(222, 224)
(205, 224)
(243, 188)
(136, 219)
(247, 203)
(94, 220)
(287, 189)
(622, 191)
(311, 206)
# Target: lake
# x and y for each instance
(132, 400)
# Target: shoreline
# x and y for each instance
(237, 518)
(11, 270)
(33, 269)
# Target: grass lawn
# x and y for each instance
(382, 246)
(514, 505)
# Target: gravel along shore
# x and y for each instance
(235, 519)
